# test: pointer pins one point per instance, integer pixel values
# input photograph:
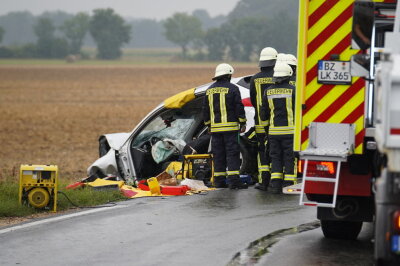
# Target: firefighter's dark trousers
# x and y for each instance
(226, 151)
(263, 160)
(282, 157)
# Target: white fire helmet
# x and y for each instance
(281, 57)
(291, 60)
(268, 57)
(282, 69)
(223, 69)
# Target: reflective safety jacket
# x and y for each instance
(223, 109)
(258, 84)
(278, 107)
(292, 80)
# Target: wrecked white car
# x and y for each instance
(173, 128)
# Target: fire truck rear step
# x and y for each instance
(327, 142)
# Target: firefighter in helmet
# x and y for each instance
(258, 84)
(281, 57)
(292, 62)
(278, 108)
(224, 115)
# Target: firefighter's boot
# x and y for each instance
(236, 183)
(220, 182)
(276, 186)
(265, 177)
(260, 186)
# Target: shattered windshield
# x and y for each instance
(171, 127)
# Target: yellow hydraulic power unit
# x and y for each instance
(38, 185)
(198, 166)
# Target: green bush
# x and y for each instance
(6, 52)
(9, 201)
(25, 51)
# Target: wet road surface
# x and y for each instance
(311, 248)
(199, 230)
(305, 245)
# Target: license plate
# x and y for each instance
(334, 72)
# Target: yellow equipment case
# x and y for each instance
(38, 185)
(198, 166)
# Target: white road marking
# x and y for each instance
(58, 218)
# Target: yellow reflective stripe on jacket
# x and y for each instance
(222, 129)
(271, 111)
(289, 110)
(222, 105)
(211, 104)
(223, 115)
(281, 130)
(225, 124)
(258, 82)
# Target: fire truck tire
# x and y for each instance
(341, 229)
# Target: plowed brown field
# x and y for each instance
(55, 114)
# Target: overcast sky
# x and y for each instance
(156, 9)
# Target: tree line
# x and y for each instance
(108, 30)
(238, 39)
(252, 25)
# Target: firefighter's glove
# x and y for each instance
(242, 128)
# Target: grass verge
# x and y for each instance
(84, 197)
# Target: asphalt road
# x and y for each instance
(311, 248)
(212, 229)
